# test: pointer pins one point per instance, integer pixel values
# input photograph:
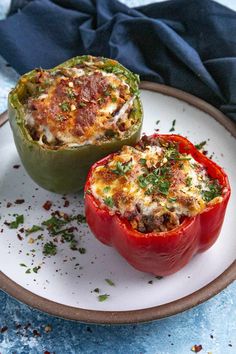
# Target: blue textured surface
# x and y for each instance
(212, 324)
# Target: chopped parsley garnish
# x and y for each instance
(82, 250)
(106, 189)
(33, 229)
(50, 249)
(109, 202)
(73, 245)
(172, 129)
(23, 265)
(188, 181)
(156, 181)
(142, 162)
(65, 106)
(213, 192)
(200, 145)
(70, 93)
(171, 153)
(18, 220)
(101, 100)
(28, 271)
(142, 181)
(172, 200)
(82, 104)
(113, 99)
(122, 168)
(103, 297)
(157, 122)
(55, 227)
(81, 218)
(67, 236)
(163, 187)
(36, 269)
(110, 282)
(54, 224)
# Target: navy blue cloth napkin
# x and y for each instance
(187, 44)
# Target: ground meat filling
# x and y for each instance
(154, 186)
(78, 105)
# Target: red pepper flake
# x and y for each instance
(61, 215)
(36, 333)
(9, 204)
(16, 166)
(72, 229)
(19, 201)
(196, 348)
(19, 237)
(67, 203)
(47, 205)
(46, 352)
(3, 329)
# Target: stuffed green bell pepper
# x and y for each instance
(66, 118)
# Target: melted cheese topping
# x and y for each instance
(77, 106)
(154, 187)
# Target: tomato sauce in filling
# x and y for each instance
(78, 105)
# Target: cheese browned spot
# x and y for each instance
(154, 186)
(78, 105)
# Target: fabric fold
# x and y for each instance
(187, 44)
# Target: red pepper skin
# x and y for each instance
(160, 253)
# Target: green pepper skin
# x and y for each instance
(64, 170)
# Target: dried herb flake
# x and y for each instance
(103, 297)
(18, 220)
(33, 229)
(110, 282)
(50, 249)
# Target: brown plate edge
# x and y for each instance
(148, 314)
(119, 317)
(193, 101)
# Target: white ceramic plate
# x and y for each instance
(68, 279)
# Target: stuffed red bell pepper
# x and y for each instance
(158, 203)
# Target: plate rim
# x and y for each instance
(142, 315)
